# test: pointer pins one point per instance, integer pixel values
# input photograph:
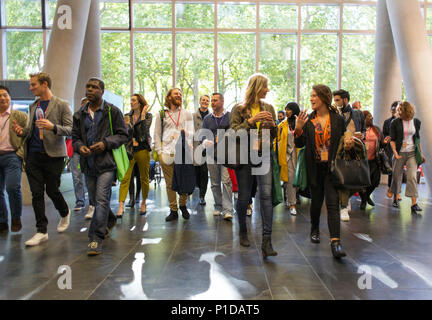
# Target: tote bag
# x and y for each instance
(120, 156)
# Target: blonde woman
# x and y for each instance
(139, 148)
(253, 113)
(403, 132)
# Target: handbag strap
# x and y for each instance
(109, 114)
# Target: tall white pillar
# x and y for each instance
(91, 54)
(66, 45)
(388, 78)
(415, 58)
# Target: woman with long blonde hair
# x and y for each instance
(254, 113)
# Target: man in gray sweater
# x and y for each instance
(50, 120)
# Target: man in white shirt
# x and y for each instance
(166, 134)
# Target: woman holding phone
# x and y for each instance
(138, 122)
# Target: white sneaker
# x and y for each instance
(344, 214)
(293, 211)
(64, 223)
(90, 212)
(217, 213)
(349, 206)
(37, 239)
(228, 216)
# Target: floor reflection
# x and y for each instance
(134, 290)
(378, 274)
(222, 285)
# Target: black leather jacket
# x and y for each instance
(141, 132)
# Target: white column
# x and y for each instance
(66, 45)
(415, 58)
(388, 78)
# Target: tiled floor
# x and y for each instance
(147, 258)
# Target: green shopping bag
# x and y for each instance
(300, 179)
(120, 155)
(418, 156)
(277, 196)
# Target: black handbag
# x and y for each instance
(352, 174)
(384, 162)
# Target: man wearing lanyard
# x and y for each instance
(11, 154)
(45, 150)
(219, 119)
(201, 171)
(166, 133)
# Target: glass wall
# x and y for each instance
(207, 46)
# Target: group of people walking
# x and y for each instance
(37, 142)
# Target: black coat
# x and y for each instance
(183, 181)
(397, 134)
(104, 161)
(307, 140)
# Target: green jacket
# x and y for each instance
(17, 142)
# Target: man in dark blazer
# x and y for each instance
(50, 120)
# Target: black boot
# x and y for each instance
(185, 212)
(337, 250)
(172, 216)
(267, 248)
(363, 205)
(244, 241)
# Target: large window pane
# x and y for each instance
(237, 16)
(153, 67)
(429, 18)
(278, 62)
(193, 15)
(116, 63)
(23, 13)
(318, 63)
(194, 63)
(114, 13)
(24, 53)
(52, 6)
(358, 53)
(236, 63)
(278, 16)
(359, 17)
(152, 15)
(320, 17)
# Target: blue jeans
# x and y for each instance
(10, 177)
(99, 188)
(78, 180)
(264, 183)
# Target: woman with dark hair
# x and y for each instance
(252, 114)
(374, 140)
(138, 148)
(404, 131)
(287, 155)
(320, 133)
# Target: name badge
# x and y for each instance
(134, 142)
(217, 139)
(175, 136)
(367, 146)
(324, 155)
(404, 144)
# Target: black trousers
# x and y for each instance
(44, 173)
(135, 180)
(375, 177)
(324, 188)
(201, 174)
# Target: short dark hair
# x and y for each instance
(281, 111)
(342, 93)
(394, 105)
(101, 83)
(218, 94)
(42, 77)
(5, 89)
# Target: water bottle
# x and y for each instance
(40, 115)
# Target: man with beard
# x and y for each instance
(50, 121)
(169, 123)
(93, 139)
(201, 171)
